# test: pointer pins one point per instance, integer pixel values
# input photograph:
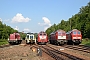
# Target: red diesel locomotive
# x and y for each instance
(74, 36)
(14, 38)
(42, 38)
(58, 37)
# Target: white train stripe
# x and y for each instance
(42, 37)
(61, 37)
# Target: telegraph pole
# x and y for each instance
(70, 25)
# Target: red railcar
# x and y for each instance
(15, 38)
(58, 37)
(74, 36)
(42, 38)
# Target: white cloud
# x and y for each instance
(16, 28)
(0, 19)
(7, 20)
(41, 24)
(20, 18)
(46, 20)
(26, 30)
(46, 23)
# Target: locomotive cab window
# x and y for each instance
(79, 32)
(31, 37)
(59, 33)
(74, 32)
(27, 36)
(63, 33)
(40, 34)
(44, 34)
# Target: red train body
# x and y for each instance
(58, 37)
(14, 38)
(74, 36)
(42, 38)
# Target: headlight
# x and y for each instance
(16, 39)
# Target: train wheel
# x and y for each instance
(10, 43)
(65, 43)
(58, 44)
(18, 42)
(76, 43)
(70, 42)
(62, 43)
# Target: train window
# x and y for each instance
(63, 33)
(31, 37)
(27, 36)
(44, 34)
(74, 32)
(79, 32)
(40, 34)
(59, 33)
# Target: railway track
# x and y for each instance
(58, 55)
(79, 48)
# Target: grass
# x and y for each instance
(86, 42)
(3, 41)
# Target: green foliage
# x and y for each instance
(23, 35)
(35, 34)
(3, 42)
(80, 21)
(86, 42)
(5, 31)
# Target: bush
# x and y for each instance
(86, 42)
(3, 41)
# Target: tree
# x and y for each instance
(5, 31)
(80, 21)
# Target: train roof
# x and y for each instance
(16, 33)
(57, 31)
(75, 30)
(60, 30)
(72, 31)
(41, 32)
(30, 33)
(52, 33)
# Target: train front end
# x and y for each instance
(76, 37)
(42, 38)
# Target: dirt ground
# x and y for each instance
(27, 52)
(21, 52)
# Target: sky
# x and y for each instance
(37, 15)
